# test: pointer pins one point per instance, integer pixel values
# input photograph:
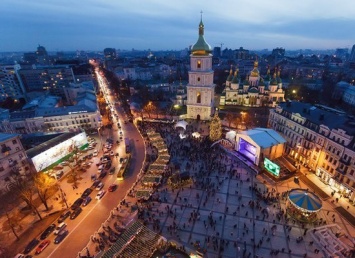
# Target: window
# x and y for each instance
(198, 63)
(14, 142)
(198, 97)
(198, 79)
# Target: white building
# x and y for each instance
(47, 116)
(200, 89)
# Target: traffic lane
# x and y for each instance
(80, 232)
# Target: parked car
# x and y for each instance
(77, 203)
(86, 193)
(61, 236)
(100, 186)
(100, 195)
(95, 153)
(112, 188)
(59, 228)
(47, 231)
(31, 245)
(75, 213)
(42, 246)
(63, 216)
(86, 201)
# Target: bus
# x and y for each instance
(128, 147)
(124, 167)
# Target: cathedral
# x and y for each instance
(255, 91)
(200, 88)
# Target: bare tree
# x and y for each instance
(13, 219)
(24, 187)
(45, 186)
(230, 117)
(150, 108)
(236, 122)
(74, 165)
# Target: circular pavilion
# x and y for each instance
(303, 205)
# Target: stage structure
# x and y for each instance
(258, 144)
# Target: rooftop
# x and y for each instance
(7, 136)
(264, 137)
(49, 144)
(322, 115)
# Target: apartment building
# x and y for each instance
(13, 159)
(320, 138)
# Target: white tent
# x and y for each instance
(231, 135)
(182, 124)
(196, 135)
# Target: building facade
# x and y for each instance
(83, 116)
(13, 159)
(200, 88)
(9, 83)
(320, 138)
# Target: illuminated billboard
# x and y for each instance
(272, 167)
(62, 149)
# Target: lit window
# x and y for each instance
(199, 64)
(198, 97)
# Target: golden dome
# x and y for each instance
(255, 72)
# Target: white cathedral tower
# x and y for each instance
(200, 89)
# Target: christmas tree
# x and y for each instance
(215, 128)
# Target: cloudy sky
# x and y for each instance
(173, 24)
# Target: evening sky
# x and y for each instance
(173, 25)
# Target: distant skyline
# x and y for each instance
(63, 25)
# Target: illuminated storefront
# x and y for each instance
(325, 177)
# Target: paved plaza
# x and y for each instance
(227, 210)
(242, 224)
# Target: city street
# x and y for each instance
(97, 211)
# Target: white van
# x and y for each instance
(59, 228)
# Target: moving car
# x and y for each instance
(63, 216)
(42, 246)
(86, 201)
(96, 183)
(102, 174)
(60, 228)
(100, 195)
(112, 188)
(75, 213)
(31, 245)
(112, 170)
(61, 236)
(47, 231)
(100, 186)
(86, 193)
(77, 203)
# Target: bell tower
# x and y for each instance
(200, 89)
